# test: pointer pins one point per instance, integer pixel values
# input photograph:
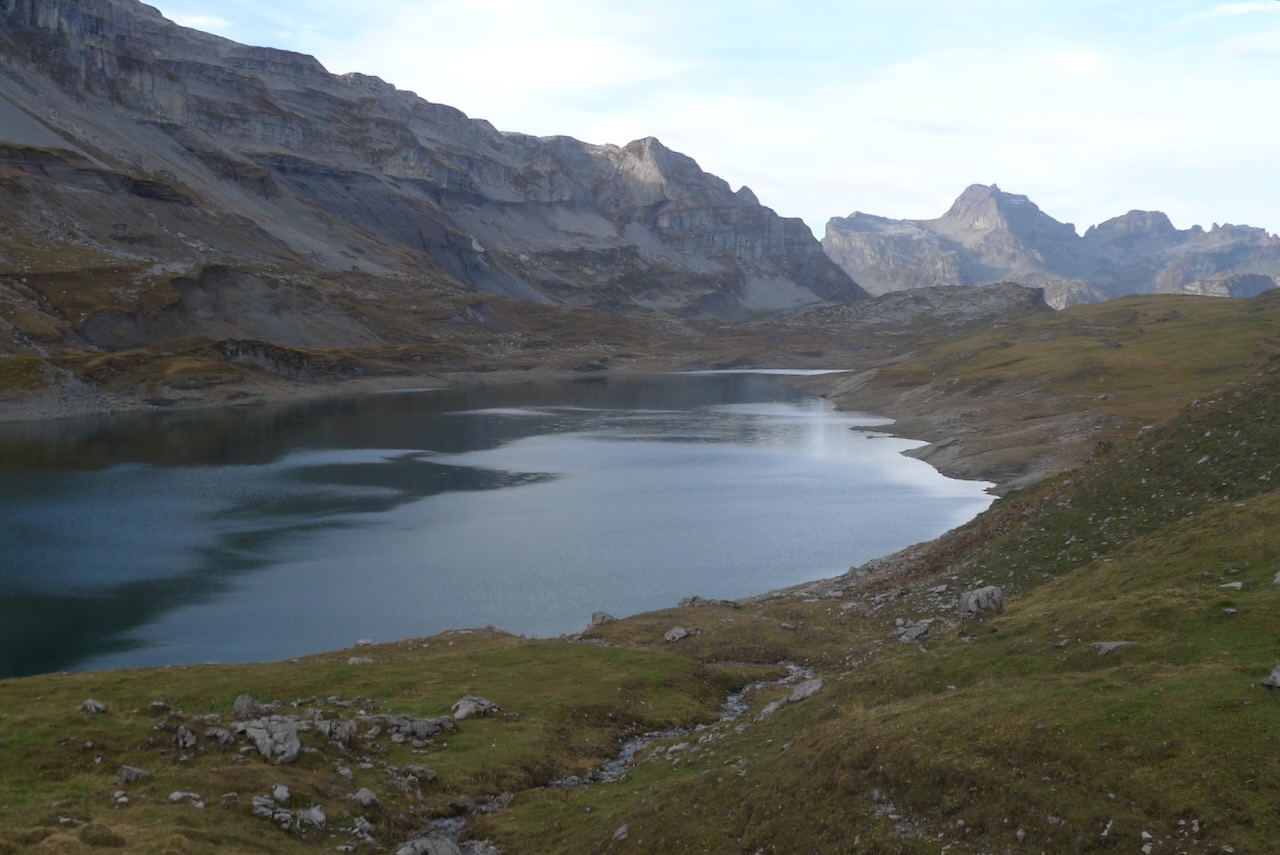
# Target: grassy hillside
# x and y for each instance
(1015, 734)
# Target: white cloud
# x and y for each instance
(1231, 10)
(1080, 63)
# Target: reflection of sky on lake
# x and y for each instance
(405, 515)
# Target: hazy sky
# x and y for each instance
(1090, 107)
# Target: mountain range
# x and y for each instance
(989, 235)
(210, 186)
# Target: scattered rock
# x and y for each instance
(622, 832)
(1232, 586)
(180, 795)
(807, 689)
(184, 737)
(93, 707)
(599, 618)
(472, 705)
(1102, 648)
(366, 797)
(276, 737)
(911, 631)
(264, 807)
(1273, 681)
(409, 726)
(281, 793)
(975, 603)
(245, 708)
(1276, 580)
(341, 731)
(364, 642)
(220, 735)
(130, 774)
(698, 602)
(422, 773)
(676, 633)
(360, 660)
(433, 844)
(312, 816)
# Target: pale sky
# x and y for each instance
(892, 107)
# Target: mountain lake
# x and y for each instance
(263, 532)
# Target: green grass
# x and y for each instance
(1148, 355)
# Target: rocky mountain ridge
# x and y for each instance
(989, 235)
(150, 153)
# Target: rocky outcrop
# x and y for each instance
(989, 235)
(129, 142)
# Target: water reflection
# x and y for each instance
(271, 531)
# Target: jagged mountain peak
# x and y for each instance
(985, 208)
(988, 235)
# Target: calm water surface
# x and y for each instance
(267, 532)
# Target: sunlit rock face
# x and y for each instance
(989, 235)
(128, 137)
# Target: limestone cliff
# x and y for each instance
(129, 143)
(989, 235)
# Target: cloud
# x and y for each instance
(1231, 10)
(1080, 63)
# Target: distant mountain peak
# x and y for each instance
(989, 235)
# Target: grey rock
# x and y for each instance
(360, 660)
(432, 844)
(220, 735)
(805, 690)
(130, 774)
(93, 707)
(246, 707)
(600, 618)
(184, 737)
(980, 601)
(281, 793)
(263, 806)
(313, 817)
(366, 797)
(341, 731)
(410, 726)
(276, 737)
(989, 236)
(422, 773)
(912, 631)
(1102, 648)
(472, 705)
(1273, 681)
(1232, 586)
(181, 795)
(621, 832)
(676, 633)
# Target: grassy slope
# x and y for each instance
(962, 740)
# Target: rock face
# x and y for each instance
(217, 182)
(989, 235)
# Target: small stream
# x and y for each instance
(735, 705)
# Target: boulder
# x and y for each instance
(471, 705)
(366, 797)
(807, 689)
(1102, 648)
(913, 630)
(432, 844)
(93, 707)
(676, 633)
(598, 618)
(184, 737)
(1273, 681)
(130, 774)
(276, 737)
(246, 707)
(312, 816)
(980, 601)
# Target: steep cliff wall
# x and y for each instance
(127, 140)
(989, 235)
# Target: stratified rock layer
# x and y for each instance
(225, 177)
(989, 235)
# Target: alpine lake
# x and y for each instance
(263, 532)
